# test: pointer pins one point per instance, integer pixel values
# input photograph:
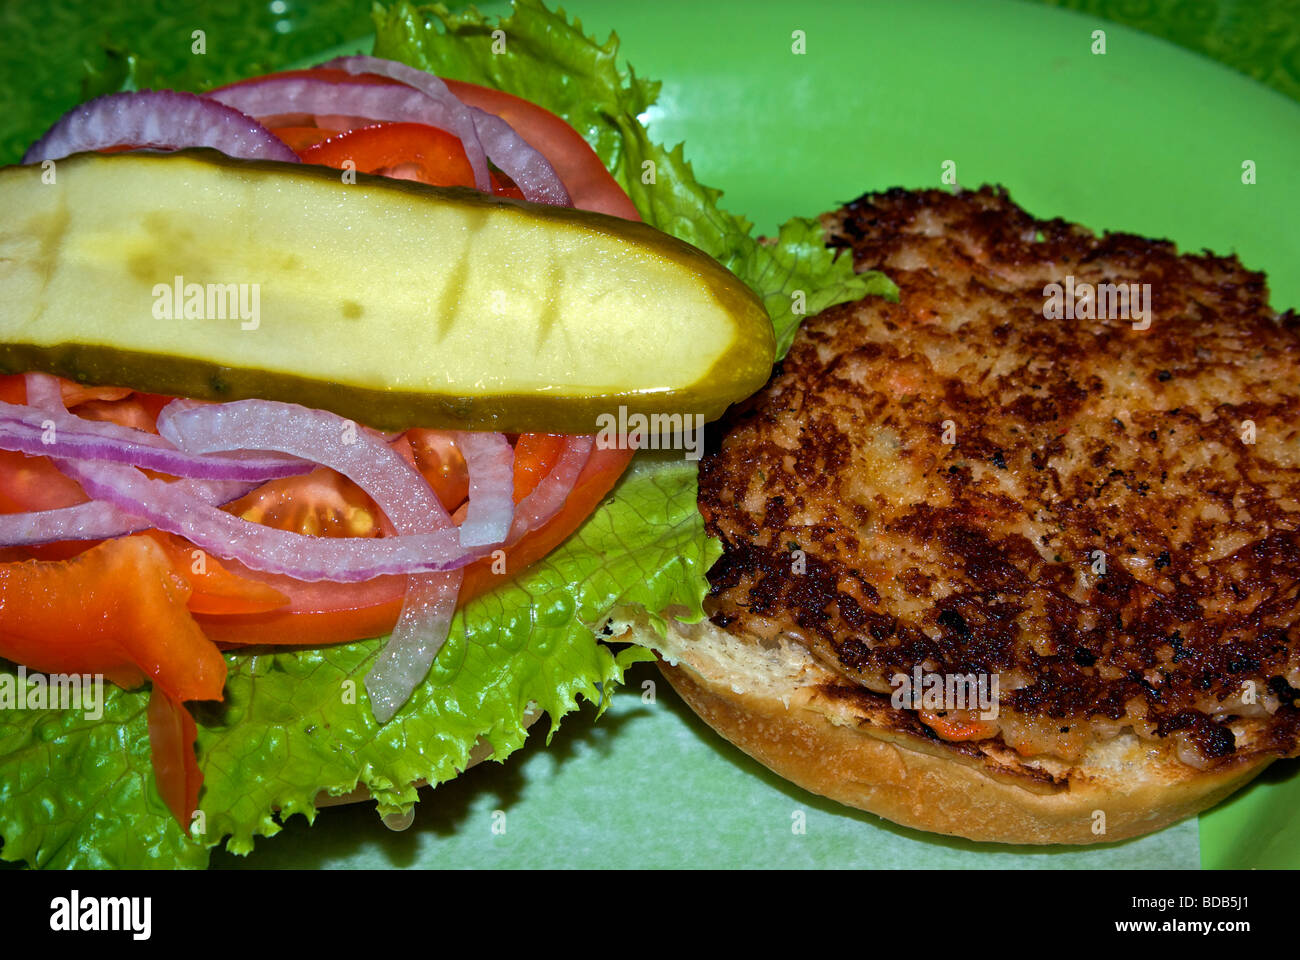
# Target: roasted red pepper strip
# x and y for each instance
(415, 150)
(215, 590)
(172, 733)
(118, 609)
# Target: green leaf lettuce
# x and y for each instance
(80, 793)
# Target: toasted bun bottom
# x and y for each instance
(771, 702)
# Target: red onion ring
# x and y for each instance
(540, 506)
(526, 166)
(343, 560)
(159, 119)
(420, 632)
(361, 455)
(173, 509)
(491, 463)
(23, 428)
(98, 520)
(380, 103)
(396, 487)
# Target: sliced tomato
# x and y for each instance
(324, 503)
(215, 589)
(503, 186)
(317, 613)
(77, 393)
(535, 455)
(118, 609)
(34, 483)
(437, 457)
(590, 185)
(596, 479)
(321, 613)
(321, 503)
(172, 733)
(409, 151)
(403, 151)
(299, 138)
(136, 411)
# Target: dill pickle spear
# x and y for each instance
(390, 303)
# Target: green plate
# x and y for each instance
(1146, 138)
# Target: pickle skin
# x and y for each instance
(388, 302)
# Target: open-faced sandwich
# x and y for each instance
(317, 427)
(1015, 557)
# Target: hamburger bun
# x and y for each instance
(808, 726)
(1012, 481)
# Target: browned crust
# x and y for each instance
(1069, 443)
(928, 484)
(905, 779)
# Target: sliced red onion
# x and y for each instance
(97, 520)
(341, 559)
(24, 428)
(381, 103)
(530, 171)
(420, 632)
(361, 455)
(405, 661)
(491, 463)
(161, 119)
(366, 457)
(536, 509)
(520, 161)
(45, 391)
(397, 487)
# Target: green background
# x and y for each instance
(1147, 138)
